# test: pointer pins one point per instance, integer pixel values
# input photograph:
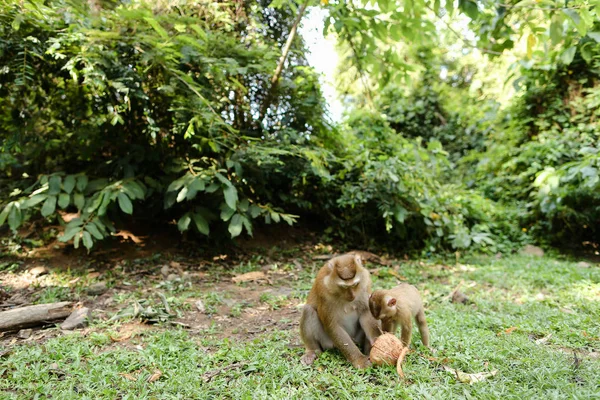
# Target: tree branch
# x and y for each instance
(277, 74)
(459, 36)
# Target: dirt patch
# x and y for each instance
(135, 272)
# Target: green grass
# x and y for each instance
(536, 296)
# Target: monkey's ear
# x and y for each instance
(358, 260)
(391, 302)
(330, 265)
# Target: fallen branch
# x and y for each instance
(211, 374)
(25, 317)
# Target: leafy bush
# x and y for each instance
(102, 110)
(168, 112)
(545, 161)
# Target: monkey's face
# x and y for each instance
(379, 306)
(349, 289)
(374, 306)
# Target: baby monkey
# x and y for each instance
(398, 306)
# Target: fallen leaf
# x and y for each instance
(544, 339)
(250, 276)
(590, 337)
(55, 370)
(128, 376)
(200, 306)
(93, 275)
(155, 376)
(470, 378)
(567, 311)
(507, 331)
(121, 338)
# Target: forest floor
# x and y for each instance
(226, 325)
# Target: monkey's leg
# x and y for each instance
(406, 323)
(343, 342)
(423, 329)
(313, 335)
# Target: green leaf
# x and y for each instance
(108, 197)
(568, 55)
(156, 26)
(288, 218)
(595, 36)
(49, 206)
(255, 210)
(231, 196)
(63, 200)
(170, 198)
(82, 182)
(223, 180)
(556, 30)
(79, 201)
(134, 190)
(243, 205)
(247, 225)
(400, 214)
(469, 7)
(194, 187)
(93, 229)
(201, 224)
(69, 183)
(199, 31)
(572, 14)
(586, 52)
(235, 226)
(87, 240)
(212, 188)
(184, 222)
(76, 240)
(70, 230)
(182, 194)
(531, 41)
(226, 212)
(54, 185)
(125, 203)
(34, 200)
(14, 217)
(4, 213)
(177, 184)
(275, 216)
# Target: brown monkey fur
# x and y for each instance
(337, 313)
(398, 306)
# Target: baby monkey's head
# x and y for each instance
(382, 305)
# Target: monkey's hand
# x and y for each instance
(362, 362)
(309, 358)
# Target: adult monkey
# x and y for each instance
(337, 312)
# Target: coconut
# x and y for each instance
(388, 350)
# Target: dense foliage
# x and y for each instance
(169, 111)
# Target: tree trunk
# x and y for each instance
(39, 314)
(277, 74)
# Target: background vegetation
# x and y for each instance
(170, 111)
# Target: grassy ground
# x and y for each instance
(534, 320)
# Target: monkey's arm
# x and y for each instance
(370, 325)
(345, 344)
